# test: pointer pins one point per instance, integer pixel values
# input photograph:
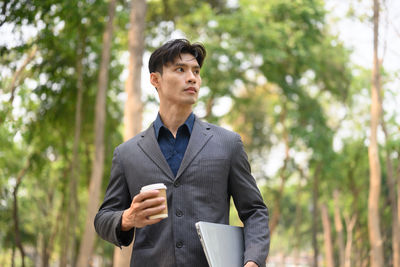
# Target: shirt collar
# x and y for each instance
(158, 124)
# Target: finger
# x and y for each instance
(152, 211)
(145, 195)
(148, 203)
(151, 202)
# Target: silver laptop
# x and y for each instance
(222, 244)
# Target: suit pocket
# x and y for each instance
(142, 239)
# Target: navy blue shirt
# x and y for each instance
(174, 148)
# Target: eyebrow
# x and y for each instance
(185, 65)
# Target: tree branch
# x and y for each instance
(18, 241)
(18, 73)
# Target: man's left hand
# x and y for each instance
(251, 264)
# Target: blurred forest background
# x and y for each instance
(321, 131)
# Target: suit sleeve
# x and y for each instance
(117, 198)
(250, 206)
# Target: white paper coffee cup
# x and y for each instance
(162, 192)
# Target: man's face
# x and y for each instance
(180, 82)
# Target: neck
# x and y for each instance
(173, 116)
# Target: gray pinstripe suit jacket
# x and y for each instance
(214, 168)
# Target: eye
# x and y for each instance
(196, 72)
(180, 69)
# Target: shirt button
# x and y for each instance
(177, 183)
(179, 244)
(179, 213)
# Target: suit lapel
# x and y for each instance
(150, 147)
(199, 137)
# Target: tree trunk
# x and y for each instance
(55, 230)
(73, 186)
(359, 257)
(349, 240)
(326, 224)
(59, 218)
(298, 218)
(398, 185)
(17, 232)
(339, 228)
(133, 107)
(13, 256)
(87, 244)
(392, 200)
(65, 220)
(68, 255)
(39, 245)
(315, 215)
(391, 183)
(45, 254)
(283, 174)
(374, 231)
(209, 106)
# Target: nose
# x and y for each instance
(191, 78)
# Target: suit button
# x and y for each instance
(179, 213)
(177, 183)
(179, 244)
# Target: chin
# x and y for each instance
(191, 101)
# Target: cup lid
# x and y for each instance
(153, 187)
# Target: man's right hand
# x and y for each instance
(143, 205)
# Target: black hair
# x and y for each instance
(168, 52)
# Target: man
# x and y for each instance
(201, 164)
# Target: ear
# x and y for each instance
(155, 79)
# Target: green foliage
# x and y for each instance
(41, 120)
(286, 77)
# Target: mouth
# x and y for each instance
(192, 90)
